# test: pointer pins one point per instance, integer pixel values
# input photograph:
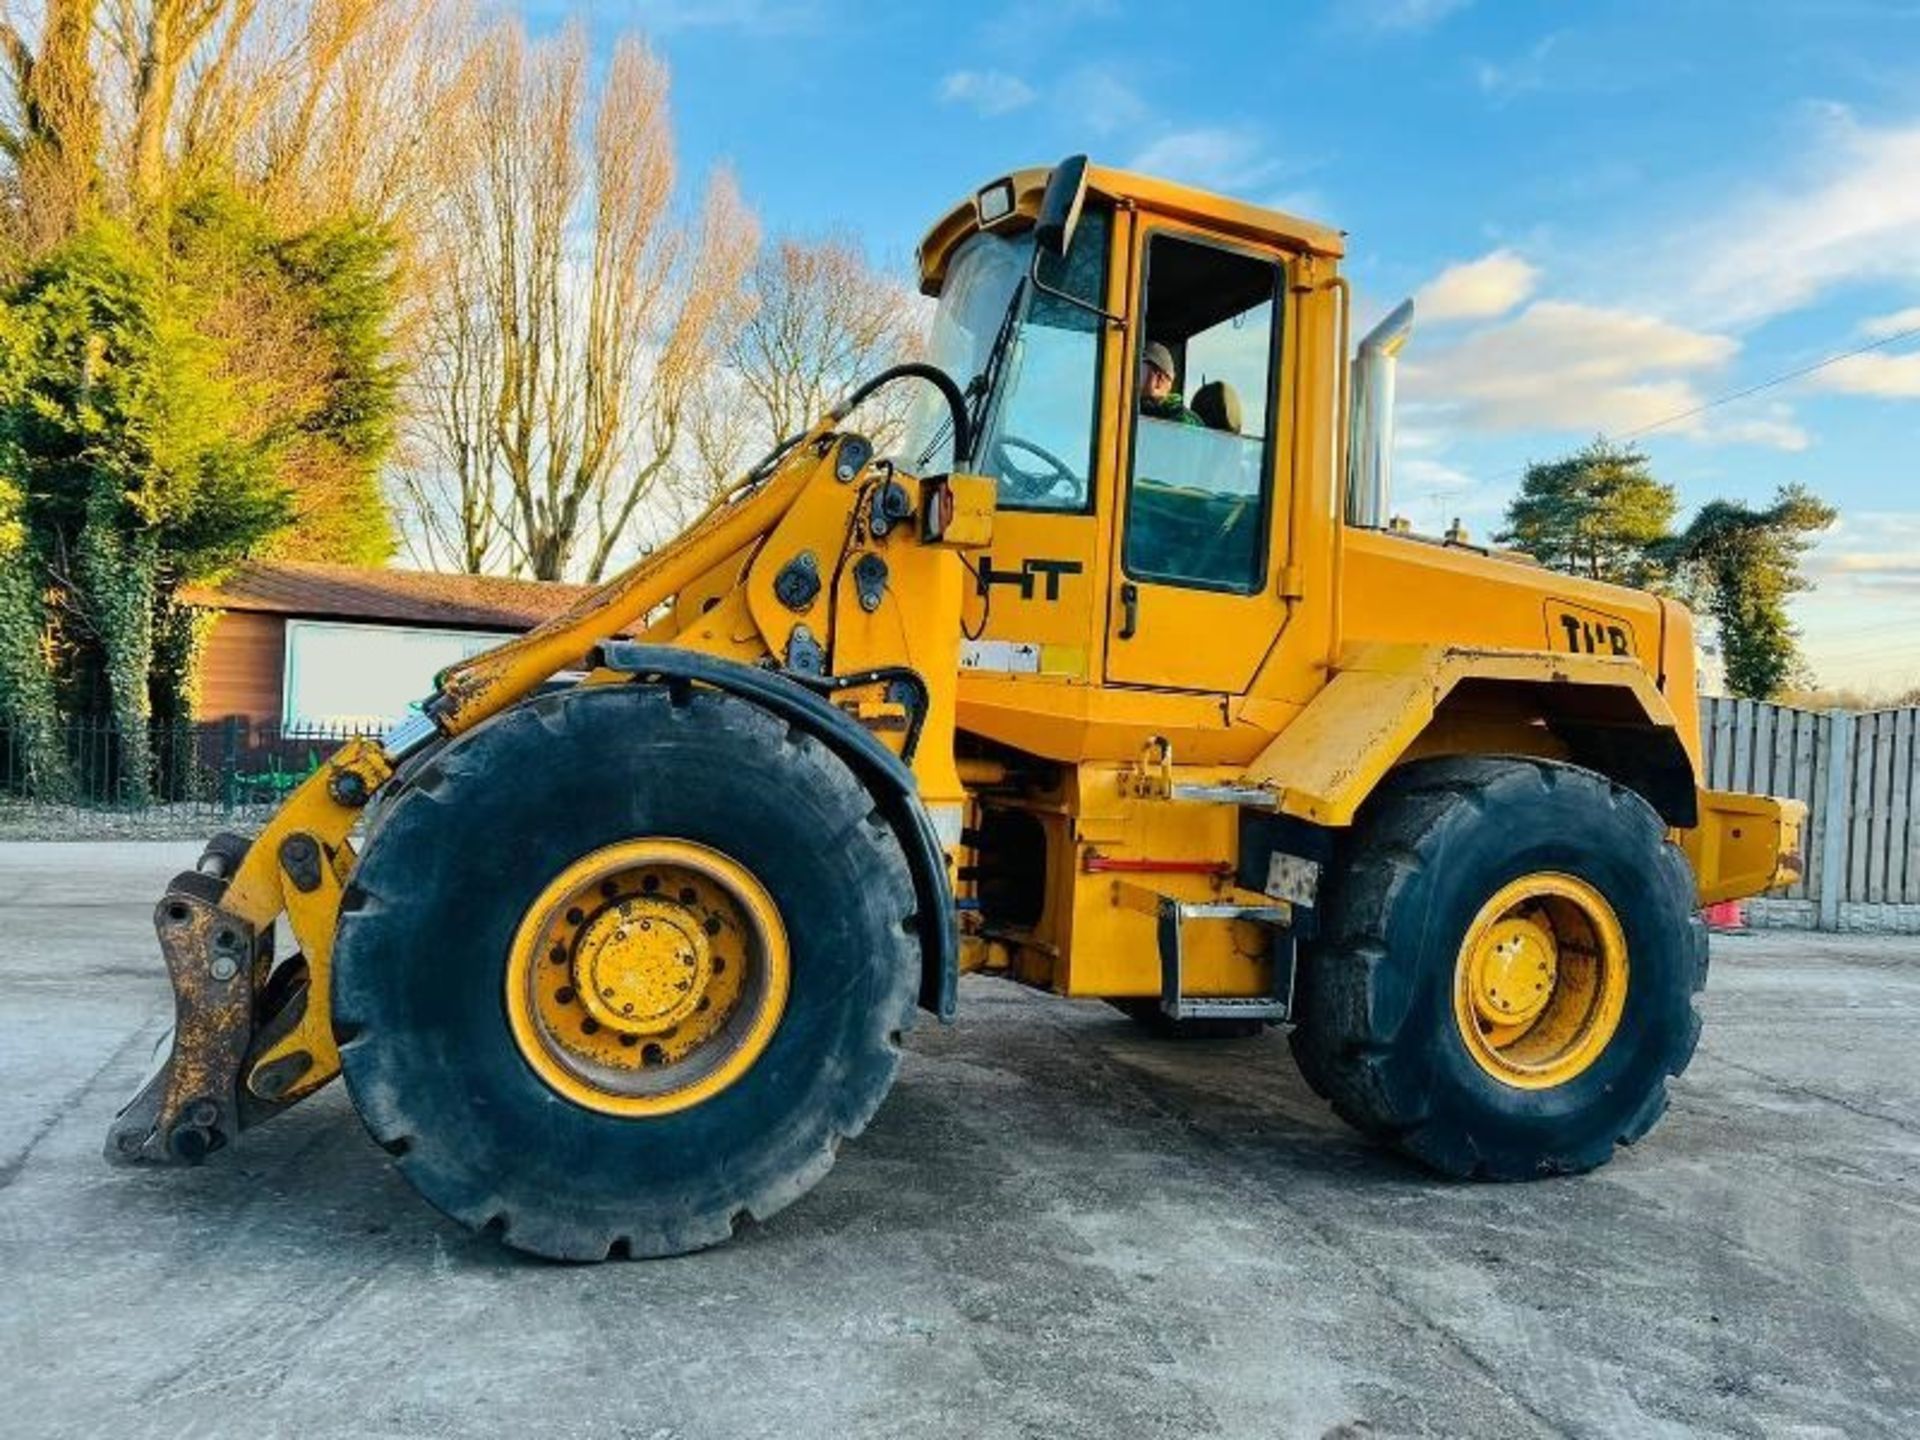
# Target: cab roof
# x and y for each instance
(1159, 197)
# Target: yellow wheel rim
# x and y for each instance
(1541, 981)
(647, 977)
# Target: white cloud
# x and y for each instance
(988, 92)
(1388, 16)
(1430, 477)
(1100, 100)
(1501, 81)
(1477, 289)
(1024, 29)
(1857, 622)
(1216, 157)
(1885, 327)
(1851, 214)
(1867, 554)
(1308, 204)
(1888, 376)
(1559, 365)
(1777, 430)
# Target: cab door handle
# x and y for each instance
(1129, 610)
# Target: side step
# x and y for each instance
(1173, 916)
(1247, 797)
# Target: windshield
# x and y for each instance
(1038, 435)
(981, 279)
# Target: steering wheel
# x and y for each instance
(1031, 485)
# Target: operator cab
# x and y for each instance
(1142, 529)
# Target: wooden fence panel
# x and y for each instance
(1872, 840)
(1899, 805)
(1880, 808)
(1859, 809)
(1912, 896)
(1816, 836)
(1805, 732)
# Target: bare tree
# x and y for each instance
(581, 317)
(449, 474)
(821, 320)
(158, 40)
(51, 132)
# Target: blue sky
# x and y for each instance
(1611, 212)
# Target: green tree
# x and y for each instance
(28, 706)
(301, 321)
(1595, 513)
(132, 453)
(1741, 564)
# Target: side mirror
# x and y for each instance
(1060, 206)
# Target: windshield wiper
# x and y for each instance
(980, 388)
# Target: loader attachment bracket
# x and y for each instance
(190, 1105)
(250, 1037)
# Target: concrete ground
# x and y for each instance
(1056, 1227)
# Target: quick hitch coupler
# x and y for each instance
(190, 1104)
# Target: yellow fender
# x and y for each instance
(1327, 762)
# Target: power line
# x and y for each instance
(1728, 399)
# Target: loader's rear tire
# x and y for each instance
(1506, 977)
(1145, 1012)
(625, 828)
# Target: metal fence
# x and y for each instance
(1859, 774)
(194, 773)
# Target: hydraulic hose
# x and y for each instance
(934, 376)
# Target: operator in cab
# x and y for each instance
(1158, 398)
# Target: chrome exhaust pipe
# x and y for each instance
(1370, 446)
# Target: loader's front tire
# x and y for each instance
(1507, 969)
(744, 917)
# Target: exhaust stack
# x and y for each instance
(1370, 433)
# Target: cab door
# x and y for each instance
(1195, 600)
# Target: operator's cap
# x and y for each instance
(1161, 358)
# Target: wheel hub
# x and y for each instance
(1541, 981)
(1513, 971)
(647, 976)
(642, 966)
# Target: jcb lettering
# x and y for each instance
(986, 577)
(1595, 637)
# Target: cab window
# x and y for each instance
(1198, 496)
(1041, 437)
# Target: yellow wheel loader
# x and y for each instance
(1115, 682)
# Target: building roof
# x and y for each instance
(397, 597)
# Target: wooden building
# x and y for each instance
(303, 646)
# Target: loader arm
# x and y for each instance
(485, 684)
(252, 1035)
